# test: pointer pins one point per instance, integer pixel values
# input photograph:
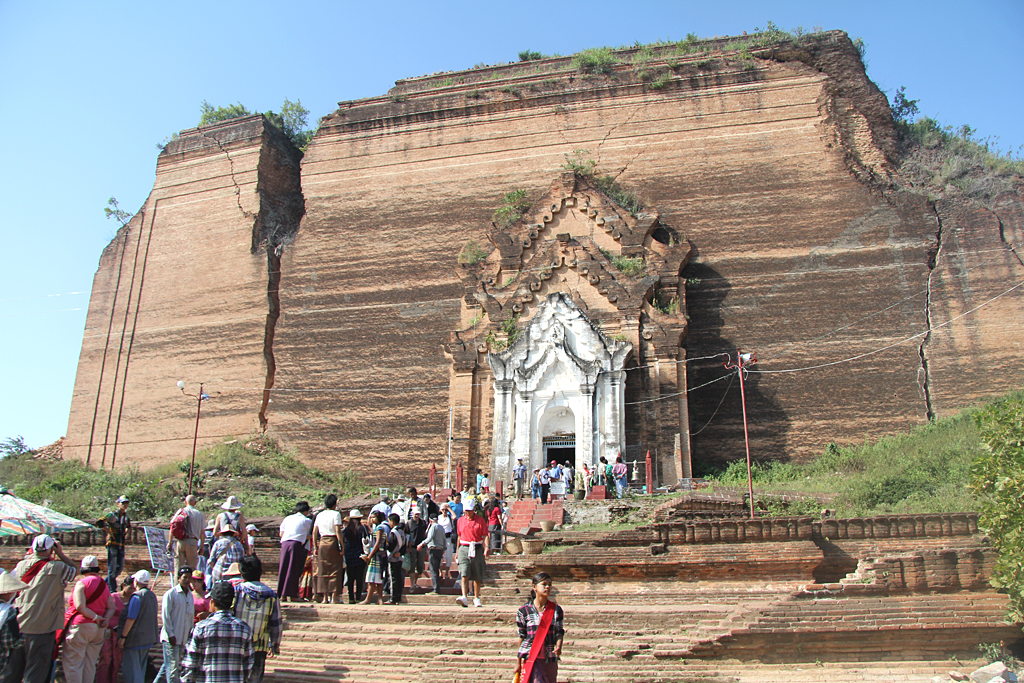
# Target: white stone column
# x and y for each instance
(585, 439)
(524, 423)
(614, 412)
(501, 439)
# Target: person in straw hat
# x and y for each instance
(9, 634)
(228, 549)
(232, 518)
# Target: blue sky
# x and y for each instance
(88, 89)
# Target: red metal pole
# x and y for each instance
(458, 477)
(649, 482)
(192, 466)
(433, 481)
(499, 488)
(746, 436)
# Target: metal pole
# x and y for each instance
(746, 436)
(448, 467)
(195, 439)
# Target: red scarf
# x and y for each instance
(538, 639)
(33, 570)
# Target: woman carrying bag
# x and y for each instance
(541, 632)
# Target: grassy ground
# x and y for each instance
(266, 480)
(926, 470)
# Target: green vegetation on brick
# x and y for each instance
(997, 479)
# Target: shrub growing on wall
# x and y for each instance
(997, 477)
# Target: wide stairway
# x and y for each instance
(874, 607)
(703, 595)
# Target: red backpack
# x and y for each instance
(179, 525)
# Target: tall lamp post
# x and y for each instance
(743, 361)
(203, 396)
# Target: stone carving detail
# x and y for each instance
(560, 360)
(556, 276)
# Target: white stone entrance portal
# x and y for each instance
(561, 378)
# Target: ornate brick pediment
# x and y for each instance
(620, 270)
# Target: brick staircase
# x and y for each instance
(527, 514)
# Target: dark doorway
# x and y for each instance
(560, 455)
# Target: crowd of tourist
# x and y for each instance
(218, 621)
(324, 554)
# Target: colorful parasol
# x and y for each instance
(19, 517)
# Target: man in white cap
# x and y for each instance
(40, 610)
(250, 537)
(138, 631)
(9, 634)
(474, 545)
(90, 609)
(118, 527)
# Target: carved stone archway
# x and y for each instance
(579, 302)
(560, 357)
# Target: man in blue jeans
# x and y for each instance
(117, 525)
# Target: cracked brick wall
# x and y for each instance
(187, 292)
(331, 335)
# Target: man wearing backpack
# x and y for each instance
(187, 528)
(396, 549)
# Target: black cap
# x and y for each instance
(184, 570)
(223, 594)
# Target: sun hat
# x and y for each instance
(234, 570)
(355, 514)
(198, 574)
(251, 527)
(141, 576)
(122, 499)
(416, 509)
(90, 562)
(9, 583)
(231, 503)
(42, 543)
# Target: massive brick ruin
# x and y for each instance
(355, 335)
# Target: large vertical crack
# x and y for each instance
(924, 377)
(282, 206)
(273, 313)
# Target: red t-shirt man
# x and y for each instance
(472, 530)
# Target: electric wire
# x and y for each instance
(732, 377)
(897, 343)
